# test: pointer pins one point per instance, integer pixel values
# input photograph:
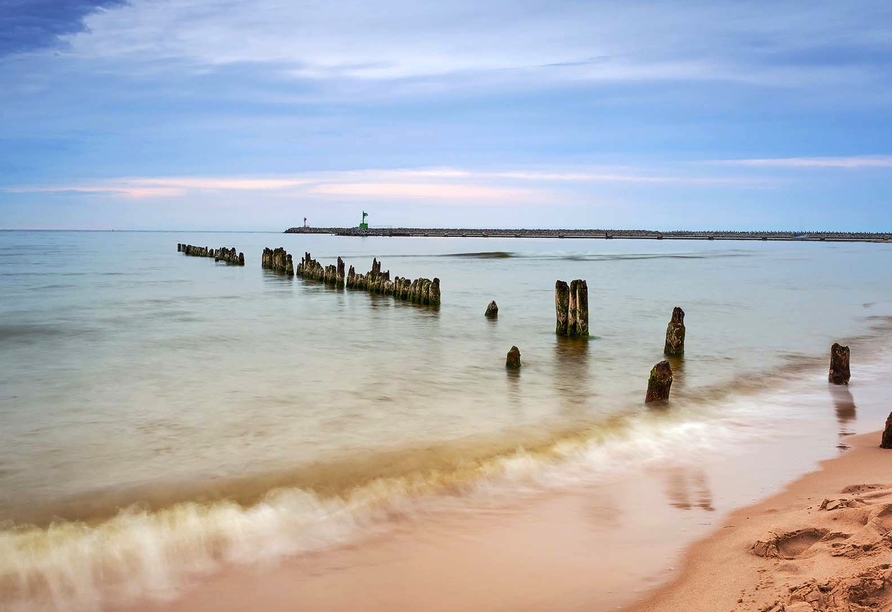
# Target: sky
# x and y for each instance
(238, 115)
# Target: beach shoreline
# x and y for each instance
(545, 554)
(822, 543)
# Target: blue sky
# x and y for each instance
(224, 114)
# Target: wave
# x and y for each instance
(142, 552)
(152, 549)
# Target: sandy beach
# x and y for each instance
(824, 543)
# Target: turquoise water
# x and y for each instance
(132, 374)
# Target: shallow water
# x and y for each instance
(132, 374)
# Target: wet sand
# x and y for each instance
(824, 543)
(594, 548)
(605, 548)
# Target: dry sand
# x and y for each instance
(824, 543)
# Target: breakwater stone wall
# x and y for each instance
(230, 256)
(608, 234)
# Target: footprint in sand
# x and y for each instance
(788, 545)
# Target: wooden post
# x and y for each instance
(580, 329)
(839, 364)
(512, 361)
(887, 433)
(674, 346)
(492, 311)
(561, 306)
(659, 383)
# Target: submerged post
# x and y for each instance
(512, 362)
(674, 346)
(659, 383)
(839, 364)
(561, 306)
(492, 311)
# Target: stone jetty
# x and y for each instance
(674, 346)
(230, 256)
(492, 311)
(512, 361)
(277, 260)
(596, 233)
(571, 308)
(839, 364)
(887, 433)
(659, 383)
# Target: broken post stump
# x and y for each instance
(492, 311)
(512, 362)
(839, 364)
(674, 346)
(887, 433)
(659, 383)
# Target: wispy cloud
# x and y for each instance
(456, 185)
(857, 161)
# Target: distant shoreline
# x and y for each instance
(412, 232)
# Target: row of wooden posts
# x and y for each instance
(419, 291)
(230, 256)
(571, 309)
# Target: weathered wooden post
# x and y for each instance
(580, 329)
(241, 259)
(435, 292)
(887, 433)
(341, 275)
(659, 383)
(492, 311)
(674, 346)
(512, 361)
(289, 266)
(561, 306)
(839, 364)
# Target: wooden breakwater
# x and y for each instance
(230, 256)
(608, 234)
(277, 260)
(418, 291)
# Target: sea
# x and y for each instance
(163, 416)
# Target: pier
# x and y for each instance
(605, 234)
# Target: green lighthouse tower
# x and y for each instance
(362, 224)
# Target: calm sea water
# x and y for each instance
(230, 407)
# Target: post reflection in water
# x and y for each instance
(845, 411)
(688, 489)
(678, 374)
(571, 375)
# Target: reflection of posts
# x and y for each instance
(571, 378)
(844, 404)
